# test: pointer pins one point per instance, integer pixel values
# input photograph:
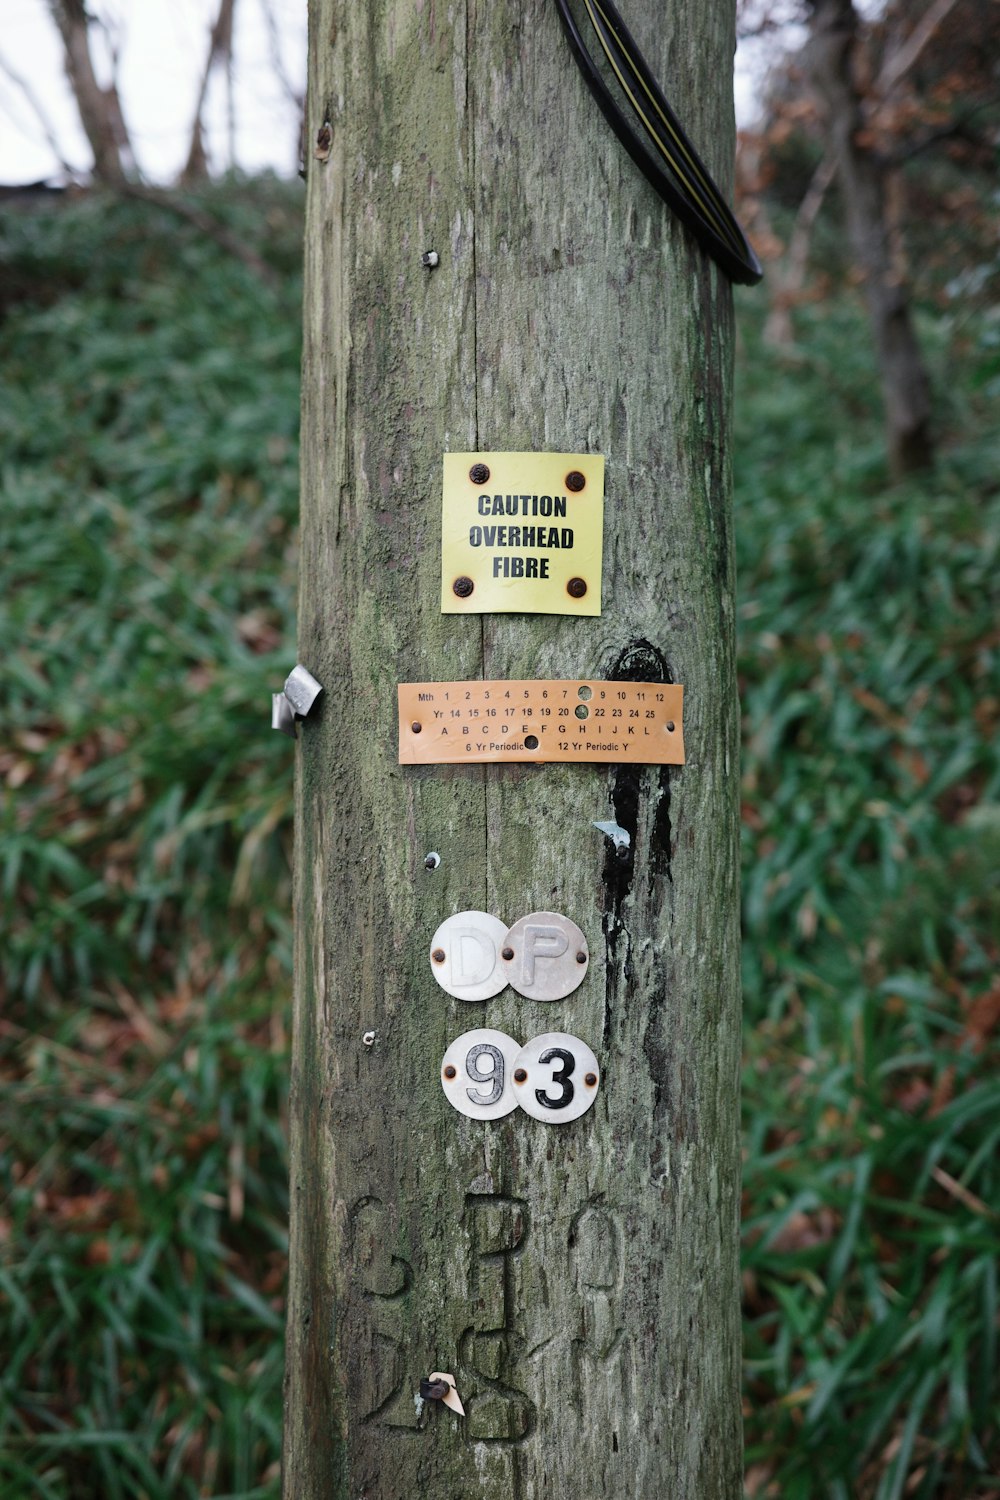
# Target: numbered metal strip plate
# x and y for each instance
(556, 1078)
(477, 1074)
(457, 723)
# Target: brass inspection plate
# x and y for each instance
(579, 719)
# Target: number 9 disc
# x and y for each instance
(555, 1077)
(476, 1073)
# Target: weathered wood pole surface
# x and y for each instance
(580, 1281)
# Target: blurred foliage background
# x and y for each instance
(148, 424)
(148, 427)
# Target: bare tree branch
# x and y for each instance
(231, 102)
(899, 62)
(778, 328)
(805, 218)
(100, 109)
(206, 225)
(957, 129)
(220, 49)
(292, 94)
(47, 128)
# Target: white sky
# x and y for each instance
(162, 47)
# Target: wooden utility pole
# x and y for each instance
(580, 1282)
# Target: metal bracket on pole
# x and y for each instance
(301, 692)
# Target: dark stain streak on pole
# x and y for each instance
(640, 661)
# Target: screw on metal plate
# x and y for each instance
(283, 715)
(575, 481)
(432, 860)
(576, 588)
(430, 259)
(416, 726)
(479, 473)
(302, 689)
(463, 586)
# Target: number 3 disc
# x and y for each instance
(555, 1077)
(476, 1073)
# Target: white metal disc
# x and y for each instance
(476, 1074)
(560, 1077)
(465, 955)
(548, 956)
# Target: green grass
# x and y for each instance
(148, 421)
(871, 792)
(148, 427)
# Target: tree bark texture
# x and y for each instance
(864, 189)
(580, 1282)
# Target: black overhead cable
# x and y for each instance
(676, 171)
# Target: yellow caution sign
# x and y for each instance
(522, 533)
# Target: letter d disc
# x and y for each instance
(465, 955)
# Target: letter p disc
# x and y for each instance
(545, 956)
